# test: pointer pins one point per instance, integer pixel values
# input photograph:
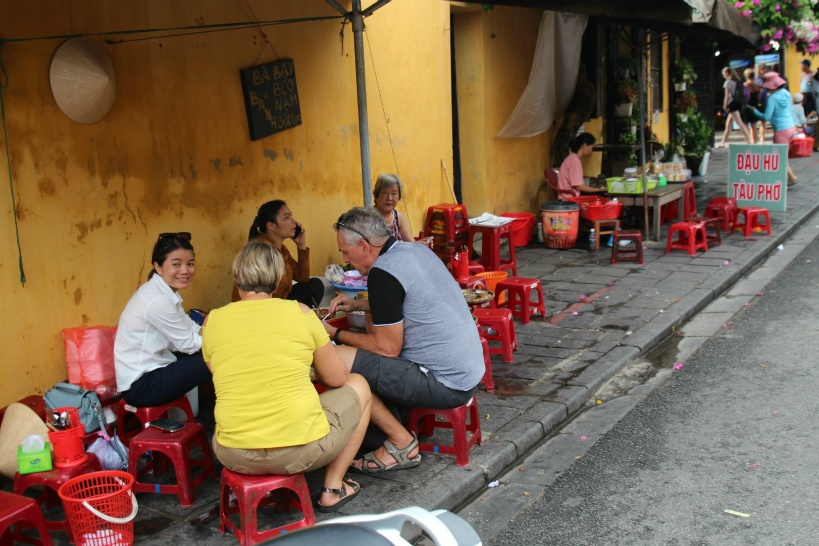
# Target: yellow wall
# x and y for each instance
(494, 55)
(174, 152)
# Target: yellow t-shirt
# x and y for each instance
(260, 353)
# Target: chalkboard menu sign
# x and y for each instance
(271, 98)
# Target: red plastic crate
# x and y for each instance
(597, 208)
(801, 147)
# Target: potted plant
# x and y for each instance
(629, 138)
(626, 92)
(626, 67)
(693, 134)
(684, 73)
(686, 101)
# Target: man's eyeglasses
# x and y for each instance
(345, 226)
(179, 235)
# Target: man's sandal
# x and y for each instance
(401, 456)
(343, 497)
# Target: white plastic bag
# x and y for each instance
(335, 273)
(107, 453)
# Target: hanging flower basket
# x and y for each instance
(623, 110)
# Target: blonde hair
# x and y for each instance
(749, 73)
(258, 267)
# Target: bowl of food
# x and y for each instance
(356, 319)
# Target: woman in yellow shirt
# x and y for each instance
(269, 417)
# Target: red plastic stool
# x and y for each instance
(500, 321)
(712, 224)
(751, 217)
(147, 414)
(490, 247)
(626, 254)
(177, 447)
(15, 509)
(724, 211)
(51, 482)
(488, 380)
(519, 298)
(687, 239)
(249, 491)
(475, 267)
(456, 419)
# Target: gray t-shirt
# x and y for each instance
(439, 332)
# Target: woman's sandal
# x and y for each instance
(401, 456)
(343, 497)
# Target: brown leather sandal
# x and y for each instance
(343, 496)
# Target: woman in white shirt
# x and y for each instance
(153, 327)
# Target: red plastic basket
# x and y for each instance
(801, 147)
(67, 444)
(597, 208)
(100, 507)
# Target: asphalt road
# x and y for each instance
(734, 429)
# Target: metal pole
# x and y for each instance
(357, 20)
(642, 80)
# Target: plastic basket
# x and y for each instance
(801, 147)
(67, 444)
(620, 185)
(524, 223)
(100, 508)
(597, 208)
(492, 278)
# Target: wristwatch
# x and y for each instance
(335, 336)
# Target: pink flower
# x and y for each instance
(777, 8)
(756, 2)
(777, 35)
(747, 13)
(739, 5)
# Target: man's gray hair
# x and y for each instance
(363, 222)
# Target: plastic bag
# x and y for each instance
(105, 451)
(89, 358)
(334, 273)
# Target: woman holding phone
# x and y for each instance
(274, 223)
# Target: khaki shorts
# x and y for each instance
(343, 410)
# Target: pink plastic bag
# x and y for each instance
(89, 358)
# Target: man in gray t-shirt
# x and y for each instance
(421, 347)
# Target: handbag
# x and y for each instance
(68, 395)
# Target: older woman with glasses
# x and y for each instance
(269, 417)
(157, 353)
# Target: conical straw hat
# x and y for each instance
(19, 421)
(83, 81)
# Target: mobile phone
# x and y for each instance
(298, 231)
(167, 425)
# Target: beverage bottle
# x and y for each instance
(592, 240)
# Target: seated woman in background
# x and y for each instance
(153, 326)
(269, 417)
(799, 117)
(274, 223)
(570, 178)
(387, 192)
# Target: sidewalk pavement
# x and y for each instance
(599, 317)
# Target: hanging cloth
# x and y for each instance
(553, 76)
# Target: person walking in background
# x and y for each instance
(761, 70)
(733, 106)
(752, 89)
(806, 86)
